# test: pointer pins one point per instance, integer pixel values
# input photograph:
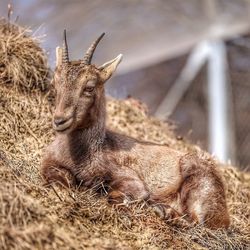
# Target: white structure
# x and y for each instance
(221, 133)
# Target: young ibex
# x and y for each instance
(85, 152)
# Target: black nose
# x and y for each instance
(59, 121)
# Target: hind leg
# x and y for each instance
(207, 207)
(202, 194)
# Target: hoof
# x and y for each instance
(159, 210)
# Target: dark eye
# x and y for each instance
(89, 89)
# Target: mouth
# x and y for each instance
(63, 127)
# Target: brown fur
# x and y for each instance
(86, 153)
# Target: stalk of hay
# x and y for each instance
(22, 61)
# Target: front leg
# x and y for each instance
(53, 172)
(126, 189)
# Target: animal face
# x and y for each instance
(79, 89)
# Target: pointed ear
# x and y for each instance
(58, 56)
(108, 68)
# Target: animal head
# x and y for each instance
(79, 88)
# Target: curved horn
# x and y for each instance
(89, 54)
(65, 52)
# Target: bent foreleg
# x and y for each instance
(127, 189)
(54, 173)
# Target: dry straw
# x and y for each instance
(33, 217)
(22, 61)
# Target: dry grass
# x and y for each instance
(33, 217)
(22, 61)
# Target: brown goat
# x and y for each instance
(85, 153)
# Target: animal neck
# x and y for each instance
(89, 140)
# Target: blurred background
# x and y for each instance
(188, 61)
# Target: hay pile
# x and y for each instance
(32, 217)
(22, 61)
